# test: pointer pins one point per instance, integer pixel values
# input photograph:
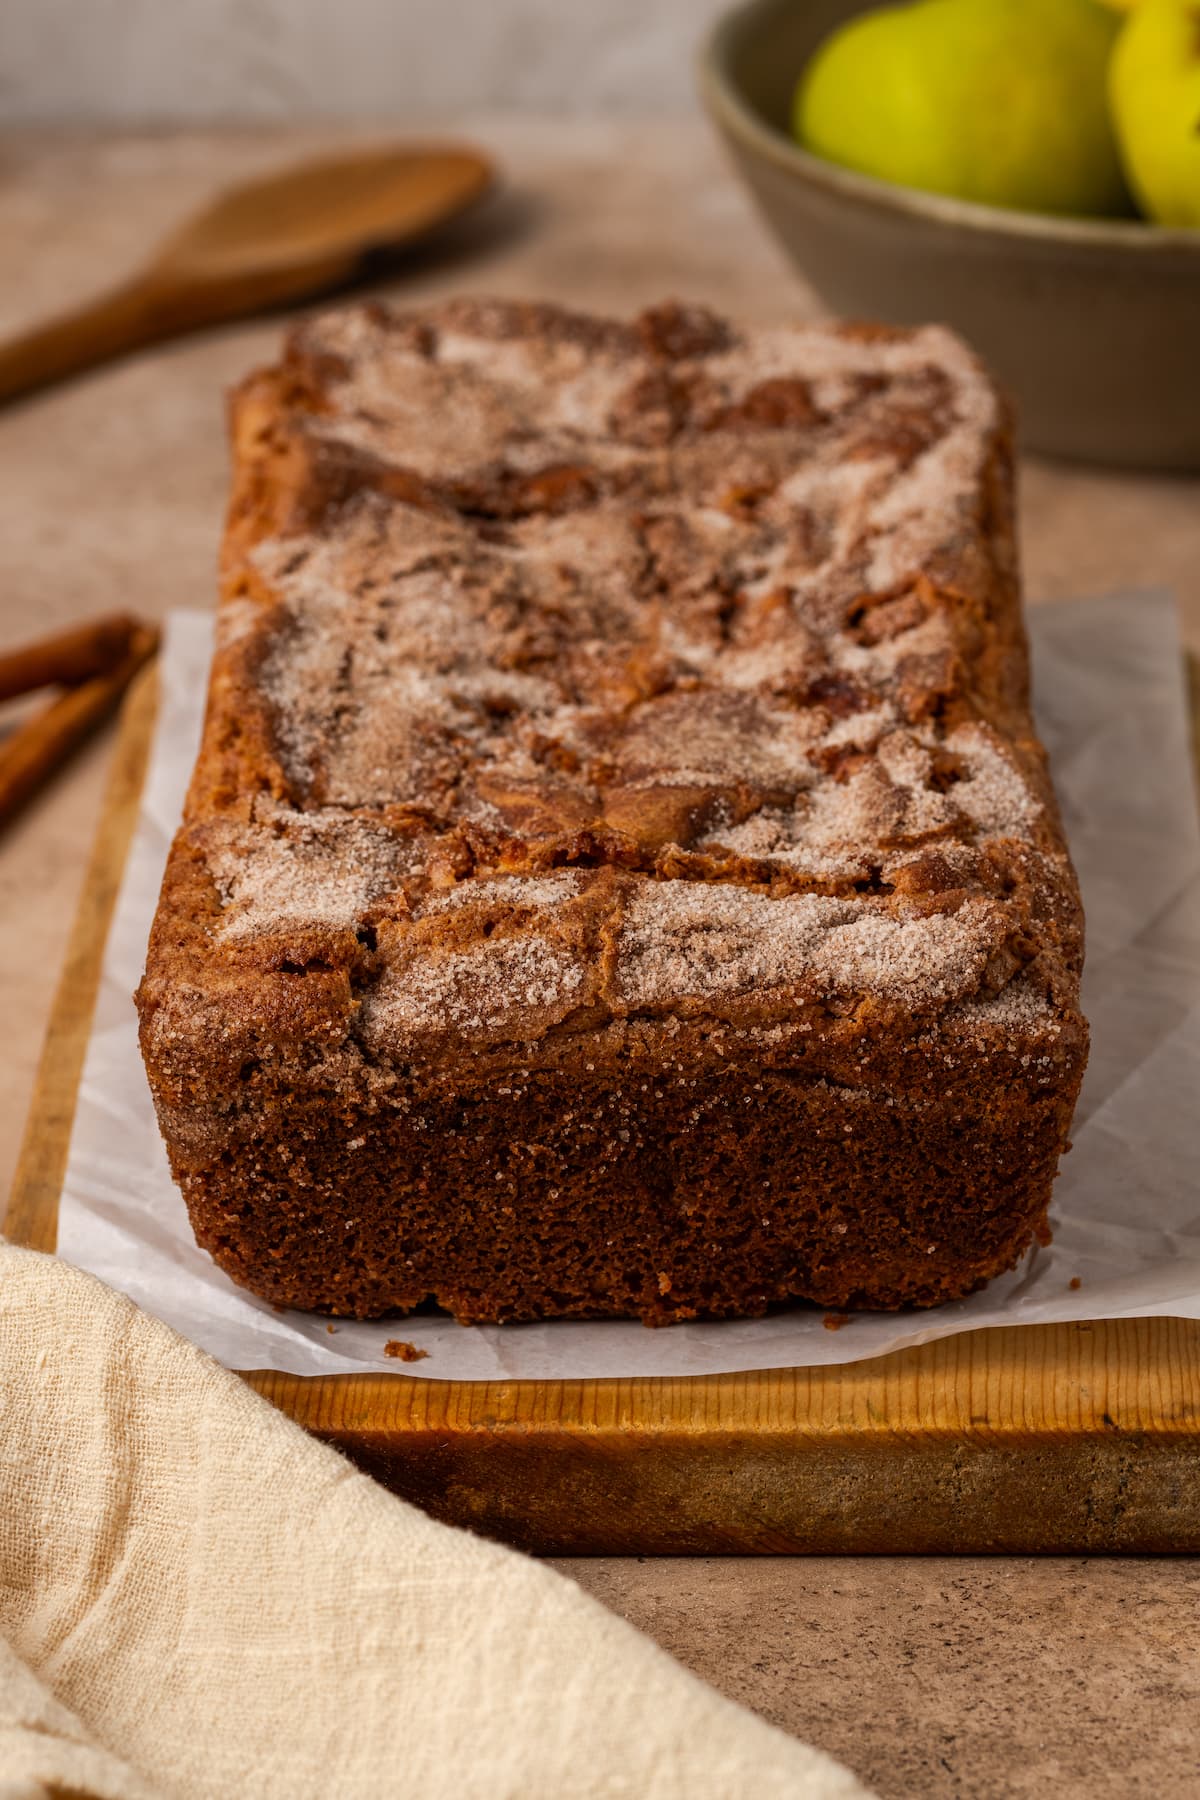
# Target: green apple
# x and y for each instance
(1154, 82)
(1000, 101)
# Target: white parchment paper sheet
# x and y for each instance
(1126, 1214)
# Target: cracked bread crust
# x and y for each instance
(620, 876)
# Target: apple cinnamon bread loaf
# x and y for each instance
(620, 876)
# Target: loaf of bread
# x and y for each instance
(620, 876)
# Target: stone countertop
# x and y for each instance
(932, 1677)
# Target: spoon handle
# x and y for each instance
(161, 302)
(100, 329)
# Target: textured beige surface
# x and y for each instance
(1077, 1677)
(937, 1679)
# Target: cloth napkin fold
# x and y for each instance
(198, 1600)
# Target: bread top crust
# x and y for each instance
(572, 671)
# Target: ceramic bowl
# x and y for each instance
(1093, 325)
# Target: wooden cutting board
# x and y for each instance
(1061, 1438)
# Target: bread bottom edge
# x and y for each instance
(726, 1201)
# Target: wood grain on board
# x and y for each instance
(1080, 1437)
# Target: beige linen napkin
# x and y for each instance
(197, 1599)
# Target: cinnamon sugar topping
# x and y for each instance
(687, 616)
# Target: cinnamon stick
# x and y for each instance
(40, 746)
(68, 657)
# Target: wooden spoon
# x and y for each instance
(258, 245)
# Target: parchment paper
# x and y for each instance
(1126, 1213)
